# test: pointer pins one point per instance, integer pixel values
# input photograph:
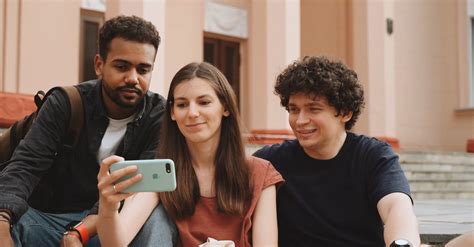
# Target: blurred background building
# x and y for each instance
(413, 57)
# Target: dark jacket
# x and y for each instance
(72, 172)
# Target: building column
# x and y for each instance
(177, 48)
(274, 43)
(374, 61)
(11, 46)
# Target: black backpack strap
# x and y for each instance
(77, 114)
(39, 96)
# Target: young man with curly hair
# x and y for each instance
(341, 189)
(120, 117)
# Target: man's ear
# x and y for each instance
(346, 117)
(98, 65)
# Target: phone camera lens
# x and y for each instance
(168, 168)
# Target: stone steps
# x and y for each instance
(438, 175)
(442, 185)
(440, 195)
(437, 158)
(431, 167)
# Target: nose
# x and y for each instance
(193, 110)
(132, 77)
(302, 119)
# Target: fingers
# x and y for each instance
(105, 182)
(114, 176)
(113, 198)
(110, 195)
(119, 187)
(106, 163)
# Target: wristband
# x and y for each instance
(80, 228)
(73, 233)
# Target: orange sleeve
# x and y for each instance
(272, 177)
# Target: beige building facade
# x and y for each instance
(413, 57)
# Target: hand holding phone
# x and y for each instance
(158, 175)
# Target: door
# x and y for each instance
(225, 55)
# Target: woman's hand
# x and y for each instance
(110, 193)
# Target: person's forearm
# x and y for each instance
(5, 236)
(90, 222)
(401, 224)
(110, 231)
(78, 238)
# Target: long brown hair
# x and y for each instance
(232, 173)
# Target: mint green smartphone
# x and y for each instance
(158, 175)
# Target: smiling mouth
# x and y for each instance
(193, 125)
(304, 132)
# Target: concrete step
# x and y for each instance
(436, 194)
(439, 176)
(442, 186)
(437, 158)
(437, 167)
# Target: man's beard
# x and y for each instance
(114, 95)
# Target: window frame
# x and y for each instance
(470, 52)
(87, 15)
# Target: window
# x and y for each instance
(91, 21)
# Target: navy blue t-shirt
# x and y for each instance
(334, 202)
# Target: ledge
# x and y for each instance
(267, 136)
(273, 136)
(470, 145)
(464, 110)
(14, 106)
(392, 141)
(435, 240)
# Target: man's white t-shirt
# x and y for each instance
(112, 137)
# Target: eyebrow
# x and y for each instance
(199, 97)
(313, 103)
(118, 60)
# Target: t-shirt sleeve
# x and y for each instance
(263, 153)
(263, 173)
(272, 177)
(385, 174)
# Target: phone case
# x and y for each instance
(158, 175)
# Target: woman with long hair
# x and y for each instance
(220, 192)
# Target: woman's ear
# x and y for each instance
(172, 116)
(226, 113)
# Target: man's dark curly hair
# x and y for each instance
(132, 28)
(318, 76)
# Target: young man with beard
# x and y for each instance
(341, 189)
(121, 116)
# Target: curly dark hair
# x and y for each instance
(318, 76)
(131, 28)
